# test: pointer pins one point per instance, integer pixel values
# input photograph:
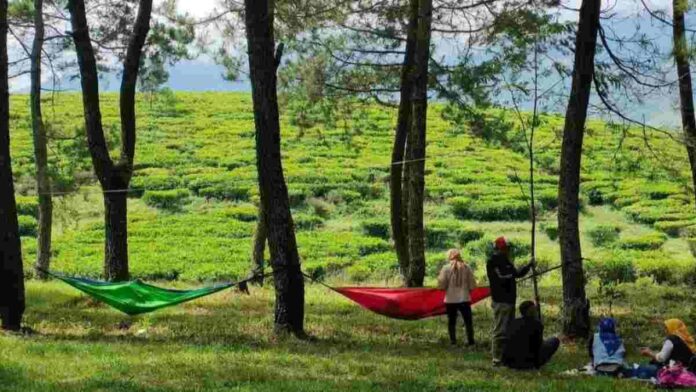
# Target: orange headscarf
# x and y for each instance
(454, 256)
(678, 328)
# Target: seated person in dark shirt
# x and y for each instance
(526, 347)
(679, 346)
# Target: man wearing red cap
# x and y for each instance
(501, 276)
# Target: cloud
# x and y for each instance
(620, 8)
(198, 8)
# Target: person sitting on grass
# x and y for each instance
(679, 346)
(606, 348)
(525, 347)
(457, 279)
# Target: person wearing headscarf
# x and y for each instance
(457, 279)
(679, 346)
(501, 276)
(606, 348)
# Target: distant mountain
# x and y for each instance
(204, 75)
(190, 75)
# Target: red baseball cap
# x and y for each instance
(501, 243)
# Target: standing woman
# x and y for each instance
(457, 279)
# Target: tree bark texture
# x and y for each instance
(259, 248)
(43, 183)
(398, 210)
(575, 305)
(285, 260)
(12, 300)
(686, 94)
(407, 181)
(416, 146)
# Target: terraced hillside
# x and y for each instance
(192, 211)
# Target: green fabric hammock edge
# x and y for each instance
(136, 297)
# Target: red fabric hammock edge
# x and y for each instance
(406, 303)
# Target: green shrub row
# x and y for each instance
(489, 210)
(551, 230)
(27, 225)
(376, 228)
(614, 267)
(673, 228)
(158, 182)
(603, 235)
(243, 212)
(650, 241)
(223, 192)
(449, 234)
(304, 221)
(28, 205)
(482, 248)
(621, 266)
(169, 200)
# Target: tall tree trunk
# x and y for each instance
(686, 95)
(398, 201)
(116, 229)
(43, 184)
(11, 271)
(259, 248)
(114, 177)
(575, 305)
(416, 146)
(285, 260)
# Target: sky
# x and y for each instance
(658, 110)
(202, 74)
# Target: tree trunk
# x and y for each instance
(11, 271)
(285, 260)
(113, 177)
(686, 95)
(575, 305)
(259, 248)
(116, 230)
(398, 202)
(43, 184)
(416, 147)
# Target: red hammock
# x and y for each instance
(405, 304)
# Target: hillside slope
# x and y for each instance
(192, 209)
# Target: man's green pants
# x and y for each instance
(503, 314)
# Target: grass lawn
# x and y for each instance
(224, 342)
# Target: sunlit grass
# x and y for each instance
(225, 341)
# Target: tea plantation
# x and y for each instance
(192, 209)
(192, 213)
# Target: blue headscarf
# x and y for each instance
(607, 334)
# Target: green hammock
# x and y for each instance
(136, 297)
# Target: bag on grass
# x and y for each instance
(641, 372)
(675, 376)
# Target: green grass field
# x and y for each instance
(192, 214)
(225, 342)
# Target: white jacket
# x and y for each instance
(456, 294)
